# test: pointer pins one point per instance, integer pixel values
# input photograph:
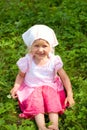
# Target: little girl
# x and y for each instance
(41, 82)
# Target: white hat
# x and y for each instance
(37, 32)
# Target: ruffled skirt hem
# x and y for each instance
(42, 100)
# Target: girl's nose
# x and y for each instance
(40, 49)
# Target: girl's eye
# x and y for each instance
(36, 45)
(44, 46)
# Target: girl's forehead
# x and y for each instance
(40, 42)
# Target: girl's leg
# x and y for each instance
(53, 117)
(40, 121)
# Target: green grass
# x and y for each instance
(68, 18)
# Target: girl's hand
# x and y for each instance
(13, 93)
(69, 100)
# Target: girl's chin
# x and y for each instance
(39, 58)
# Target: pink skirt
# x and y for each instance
(43, 99)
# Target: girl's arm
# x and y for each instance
(18, 82)
(67, 84)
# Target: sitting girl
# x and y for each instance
(41, 82)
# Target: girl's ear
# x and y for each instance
(52, 50)
(29, 49)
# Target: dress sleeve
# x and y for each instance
(58, 63)
(22, 64)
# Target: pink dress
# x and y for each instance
(42, 90)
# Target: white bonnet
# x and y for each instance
(37, 32)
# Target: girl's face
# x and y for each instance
(40, 49)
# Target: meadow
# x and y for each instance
(68, 18)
